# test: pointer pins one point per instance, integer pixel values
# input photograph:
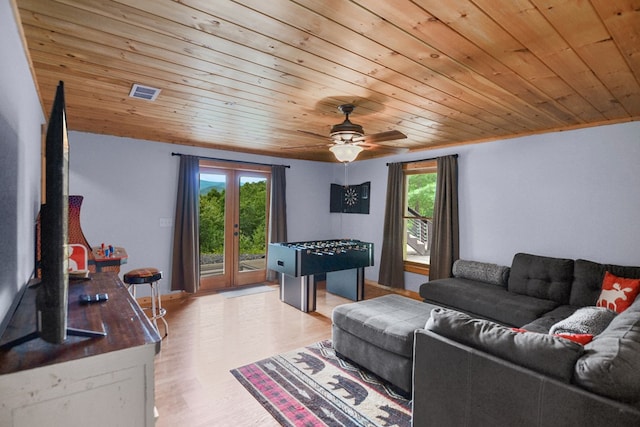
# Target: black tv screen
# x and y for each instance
(53, 292)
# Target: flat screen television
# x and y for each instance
(52, 297)
(53, 290)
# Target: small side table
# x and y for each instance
(110, 263)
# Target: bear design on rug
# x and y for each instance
(395, 417)
(314, 364)
(355, 391)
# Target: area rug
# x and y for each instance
(312, 387)
(249, 290)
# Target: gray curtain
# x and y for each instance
(445, 246)
(185, 267)
(391, 262)
(278, 226)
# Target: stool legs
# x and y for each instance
(157, 312)
(156, 309)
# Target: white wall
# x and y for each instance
(129, 185)
(20, 119)
(573, 194)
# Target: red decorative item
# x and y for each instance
(618, 293)
(579, 338)
(78, 257)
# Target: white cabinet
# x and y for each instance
(94, 382)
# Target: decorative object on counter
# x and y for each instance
(110, 258)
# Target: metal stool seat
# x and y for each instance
(149, 276)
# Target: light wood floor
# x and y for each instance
(210, 335)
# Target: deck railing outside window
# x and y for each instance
(418, 232)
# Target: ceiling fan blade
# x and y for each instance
(316, 135)
(377, 147)
(384, 136)
(308, 147)
(305, 147)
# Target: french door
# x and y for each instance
(234, 218)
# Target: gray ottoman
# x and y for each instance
(377, 334)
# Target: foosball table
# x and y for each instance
(299, 263)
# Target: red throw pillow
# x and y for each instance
(579, 338)
(618, 293)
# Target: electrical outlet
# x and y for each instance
(166, 222)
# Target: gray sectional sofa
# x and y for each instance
(469, 367)
(472, 371)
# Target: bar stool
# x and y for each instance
(149, 276)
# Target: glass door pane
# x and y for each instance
(252, 227)
(252, 223)
(213, 194)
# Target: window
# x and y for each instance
(419, 196)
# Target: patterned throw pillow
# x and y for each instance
(618, 293)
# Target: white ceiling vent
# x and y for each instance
(144, 92)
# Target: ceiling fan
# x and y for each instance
(348, 139)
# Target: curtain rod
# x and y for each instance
(231, 161)
(423, 160)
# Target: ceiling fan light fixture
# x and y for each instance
(345, 137)
(345, 152)
(346, 131)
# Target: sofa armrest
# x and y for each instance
(456, 385)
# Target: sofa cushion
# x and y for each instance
(544, 323)
(587, 282)
(541, 277)
(618, 293)
(585, 320)
(387, 322)
(624, 271)
(485, 300)
(482, 271)
(542, 353)
(611, 363)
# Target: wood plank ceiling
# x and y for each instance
(248, 75)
